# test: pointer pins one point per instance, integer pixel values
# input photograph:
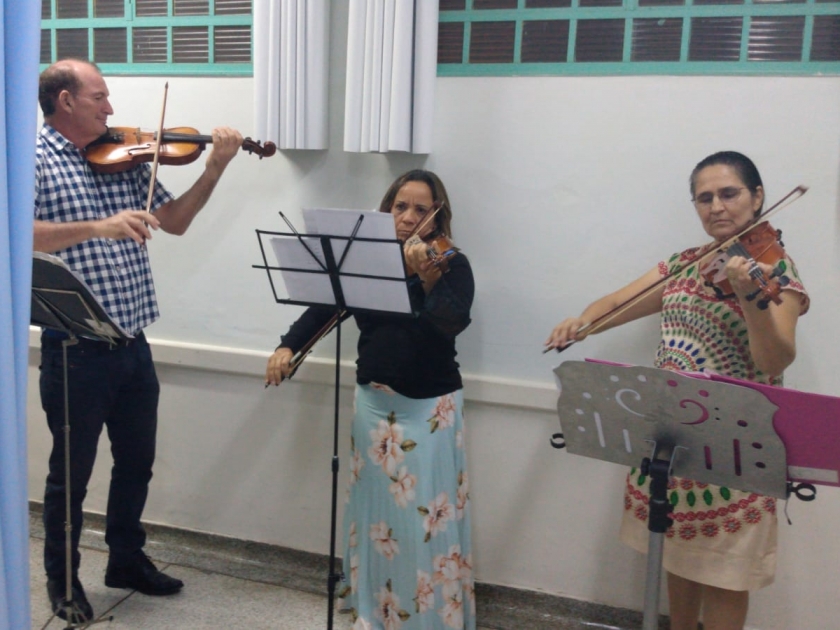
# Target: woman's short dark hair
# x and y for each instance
(443, 219)
(743, 165)
(57, 78)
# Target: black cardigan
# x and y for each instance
(415, 356)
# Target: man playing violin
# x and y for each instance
(98, 225)
(723, 541)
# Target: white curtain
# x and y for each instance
(391, 72)
(20, 36)
(291, 71)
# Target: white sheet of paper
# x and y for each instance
(364, 258)
(301, 286)
(378, 225)
(291, 252)
(340, 222)
(376, 294)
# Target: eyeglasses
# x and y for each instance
(726, 195)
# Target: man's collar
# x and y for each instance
(58, 141)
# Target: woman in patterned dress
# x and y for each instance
(407, 550)
(723, 541)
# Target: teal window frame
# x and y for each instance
(630, 10)
(169, 68)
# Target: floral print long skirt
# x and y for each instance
(407, 549)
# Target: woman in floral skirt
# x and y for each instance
(407, 549)
(723, 541)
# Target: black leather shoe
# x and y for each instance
(57, 590)
(138, 573)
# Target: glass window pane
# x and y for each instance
(71, 42)
(661, 3)
(66, 9)
(600, 3)
(109, 8)
(232, 44)
(109, 45)
(191, 7)
(545, 41)
(149, 44)
(825, 40)
(452, 5)
(547, 4)
(46, 9)
(492, 42)
(450, 42)
(701, 2)
(151, 8)
(599, 40)
(777, 38)
(715, 39)
(190, 44)
(657, 39)
(232, 7)
(46, 48)
(494, 4)
(779, 1)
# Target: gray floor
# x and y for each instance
(237, 584)
(209, 600)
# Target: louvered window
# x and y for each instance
(522, 37)
(206, 37)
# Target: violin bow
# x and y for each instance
(157, 150)
(599, 322)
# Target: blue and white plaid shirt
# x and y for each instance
(66, 189)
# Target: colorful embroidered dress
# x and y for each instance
(408, 555)
(721, 536)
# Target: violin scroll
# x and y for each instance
(266, 149)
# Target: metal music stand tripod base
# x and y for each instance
(658, 523)
(63, 302)
(70, 608)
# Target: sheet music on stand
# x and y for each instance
(62, 300)
(348, 260)
(363, 247)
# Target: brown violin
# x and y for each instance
(760, 244)
(439, 249)
(122, 148)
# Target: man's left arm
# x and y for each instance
(176, 216)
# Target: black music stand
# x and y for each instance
(349, 273)
(668, 423)
(62, 301)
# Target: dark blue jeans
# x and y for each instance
(112, 386)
